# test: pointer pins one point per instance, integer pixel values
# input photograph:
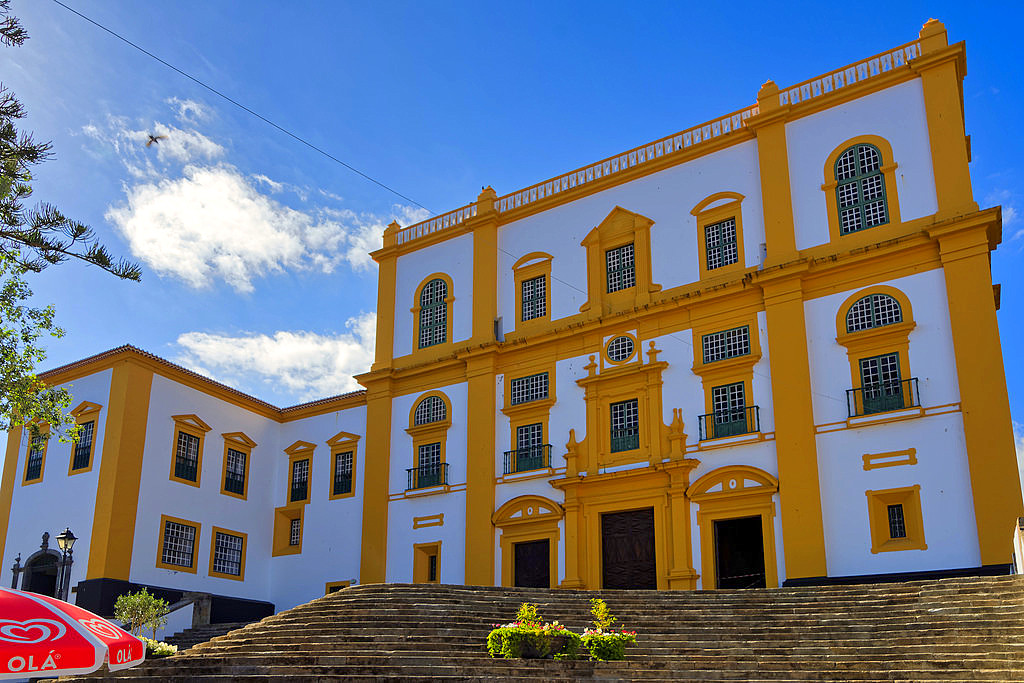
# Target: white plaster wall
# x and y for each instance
(931, 347)
(666, 197)
(947, 508)
(453, 257)
(205, 504)
(59, 500)
(452, 535)
(896, 114)
(332, 529)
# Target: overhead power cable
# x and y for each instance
(241, 106)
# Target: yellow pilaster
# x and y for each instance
(991, 457)
(574, 535)
(942, 71)
(773, 158)
(803, 532)
(387, 262)
(117, 490)
(485, 268)
(480, 452)
(7, 485)
(682, 575)
(376, 470)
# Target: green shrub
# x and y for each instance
(604, 643)
(142, 610)
(528, 635)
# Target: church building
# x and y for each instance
(761, 351)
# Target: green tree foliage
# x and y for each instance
(142, 610)
(31, 239)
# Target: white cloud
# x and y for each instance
(189, 111)
(302, 364)
(129, 144)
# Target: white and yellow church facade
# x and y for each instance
(761, 351)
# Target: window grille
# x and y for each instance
(874, 310)
(300, 480)
(83, 447)
(727, 344)
(534, 298)
(728, 402)
(343, 473)
(860, 193)
(429, 458)
(880, 383)
(529, 437)
(179, 544)
(625, 423)
(227, 554)
(720, 243)
(897, 524)
(430, 409)
(620, 268)
(234, 476)
(620, 349)
(532, 388)
(34, 464)
(295, 532)
(433, 313)
(186, 459)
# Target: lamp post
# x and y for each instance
(65, 541)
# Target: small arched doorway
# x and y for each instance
(40, 573)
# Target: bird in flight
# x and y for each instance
(156, 139)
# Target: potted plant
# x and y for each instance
(529, 638)
(602, 641)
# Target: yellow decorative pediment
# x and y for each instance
(527, 509)
(191, 421)
(732, 481)
(342, 438)
(300, 448)
(239, 438)
(84, 408)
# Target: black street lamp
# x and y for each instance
(65, 541)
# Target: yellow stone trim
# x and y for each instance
(728, 370)
(117, 488)
(619, 228)
(773, 162)
(735, 499)
(532, 265)
(10, 475)
(44, 432)
(606, 360)
(422, 553)
(160, 545)
(375, 489)
(874, 461)
(428, 520)
(213, 546)
(387, 269)
(194, 426)
(878, 518)
(85, 412)
(530, 412)
(243, 444)
(283, 517)
(446, 345)
(342, 442)
(888, 170)
(300, 450)
(523, 519)
(726, 205)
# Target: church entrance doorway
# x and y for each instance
(41, 575)
(627, 549)
(739, 553)
(533, 564)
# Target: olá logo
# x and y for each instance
(30, 631)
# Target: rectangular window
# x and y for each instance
(880, 383)
(34, 463)
(227, 554)
(620, 268)
(897, 525)
(730, 410)
(534, 298)
(343, 473)
(530, 388)
(529, 447)
(234, 475)
(186, 458)
(295, 532)
(727, 344)
(83, 447)
(625, 417)
(428, 466)
(720, 243)
(432, 569)
(179, 544)
(300, 480)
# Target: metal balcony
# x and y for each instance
(526, 459)
(427, 476)
(882, 397)
(731, 422)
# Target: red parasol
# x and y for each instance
(40, 635)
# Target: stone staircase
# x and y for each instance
(948, 630)
(200, 634)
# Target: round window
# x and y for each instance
(620, 349)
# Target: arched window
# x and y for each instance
(874, 310)
(430, 409)
(860, 189)
(433, 313)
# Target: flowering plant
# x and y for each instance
(158, 648)
(602, 641)
(530, 638)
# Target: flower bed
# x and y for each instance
(528, 637)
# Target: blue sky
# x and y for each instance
(253, 245)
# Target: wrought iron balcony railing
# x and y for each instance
(731, 422)
(882, 397)
(234, 483)
(300, 490)
(185, 470)
(342, 484)
(526, 459)
(627, 439)
(427, 476)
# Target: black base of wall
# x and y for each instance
(98, 595)
(985, 570)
